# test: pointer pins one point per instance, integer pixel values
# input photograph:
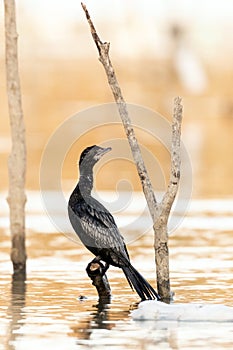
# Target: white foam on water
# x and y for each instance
(155, 310)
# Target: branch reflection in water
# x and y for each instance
(102, 317)
(99, 320)
(15, 312)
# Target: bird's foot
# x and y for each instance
(104, 269)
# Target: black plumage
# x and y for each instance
(96, 227)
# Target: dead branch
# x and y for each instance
(17, 159)
(159, 212)
(103, 49)
(100, 281)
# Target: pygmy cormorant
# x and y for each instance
(96, 227)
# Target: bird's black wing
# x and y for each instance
(99, 228)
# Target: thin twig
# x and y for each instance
(103, 49)
(173, 185)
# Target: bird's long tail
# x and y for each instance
(139, 284)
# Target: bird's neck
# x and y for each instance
(85, 183)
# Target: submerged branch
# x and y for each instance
(100, 281)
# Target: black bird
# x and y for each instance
(96, 227)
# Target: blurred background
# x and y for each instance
(159, 49)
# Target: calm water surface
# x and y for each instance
(46, 312)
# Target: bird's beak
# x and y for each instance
(104, 150)
(101, 152)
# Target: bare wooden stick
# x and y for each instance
(100, 281)
(17, 159)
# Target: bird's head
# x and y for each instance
(91, 155)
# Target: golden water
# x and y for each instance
(46, 310)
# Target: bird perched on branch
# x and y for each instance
(96, 227)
